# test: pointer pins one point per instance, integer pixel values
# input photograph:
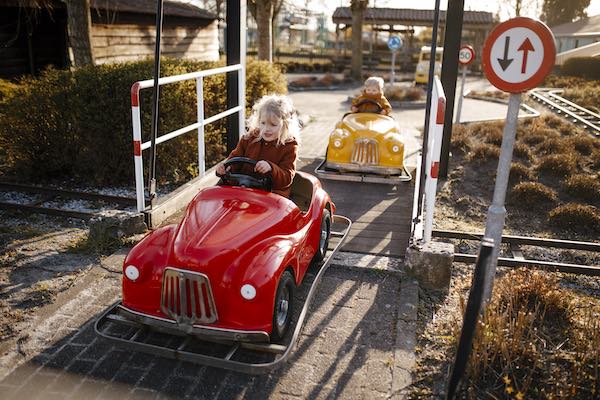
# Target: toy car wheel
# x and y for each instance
(284, 299)
(324, 235)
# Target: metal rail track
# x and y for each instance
(518, 260)
(50, 194)
(573, 112)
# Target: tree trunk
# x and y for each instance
(264, 16)
(358, 10)
(80, 32)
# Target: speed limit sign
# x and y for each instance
(466, 55)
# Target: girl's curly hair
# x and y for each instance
(278, 106)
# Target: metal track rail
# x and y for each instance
(52, 193)
(519, 261)
(131, 334)
(573, 112)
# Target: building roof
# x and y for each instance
(584, 27)
(172, 8)
(407, 16)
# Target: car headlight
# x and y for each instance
(248, 291)
(337, 143)
(132, 272)
(395, 148)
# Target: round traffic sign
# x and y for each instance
(394, 43)
(518, 54)
(466, 55)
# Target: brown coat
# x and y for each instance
(368, 107)
(282, 159)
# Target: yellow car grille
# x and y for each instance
(365, 152)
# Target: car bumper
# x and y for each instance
(202, 332)
(372, 169)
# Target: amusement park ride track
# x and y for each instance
(517, 260)
(45, 194)
(567, 109)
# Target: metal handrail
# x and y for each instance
(138, 146)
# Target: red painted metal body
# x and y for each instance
(234, 236)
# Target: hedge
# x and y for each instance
(584, 67)
(77, 124)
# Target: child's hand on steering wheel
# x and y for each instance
(262, 167)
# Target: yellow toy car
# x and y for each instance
(365, 147)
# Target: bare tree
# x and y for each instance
(358, 8)
(80, 31)
(517, 8)
(262, 11)
(556, 12)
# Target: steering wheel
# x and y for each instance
(244, 180)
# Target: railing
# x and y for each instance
(138, 146)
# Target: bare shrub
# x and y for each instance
(558, 123)
(584, 144)
(482, 152)
(553, 146)
(530, 323)
(576, 217)
(585, 187)
(532, 194)
(461, 140)
(558, 164)
(520, 172)
(523, 151)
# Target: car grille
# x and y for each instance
(187, 297)
(365, 152)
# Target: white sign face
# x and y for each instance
(465, 55)
(517, 55)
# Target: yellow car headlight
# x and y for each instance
(395, 148)
(338, 138)
(337, 143)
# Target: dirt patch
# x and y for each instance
(37, 262)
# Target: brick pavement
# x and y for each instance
(358, 342)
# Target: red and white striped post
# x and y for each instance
(137, 146)
(436, 127)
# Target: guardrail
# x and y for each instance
(139, 147)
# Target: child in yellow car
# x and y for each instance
(372, 98)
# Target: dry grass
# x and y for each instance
(584, 144)
(558, 164)
(521, 150)
(532, 194)
(584, 187)
(399, 93)
(533, 343)
(553, 146)
(461, 140)
(483, 152)
(576, 217)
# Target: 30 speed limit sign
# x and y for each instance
(466, 55)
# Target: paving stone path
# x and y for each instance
(357, 343)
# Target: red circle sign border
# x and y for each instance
(470, 48)
(545, 36)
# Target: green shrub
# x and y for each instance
(576, 217)
(77, 124)
(583, 67)
(520, 172)
(483, 152)
(532, 194)
(584, 187)
(558, 164)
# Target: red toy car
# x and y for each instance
(229, 269)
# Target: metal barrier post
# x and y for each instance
(471, 316)
(137, 146)
(433, 156)
(200, 104)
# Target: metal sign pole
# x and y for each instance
(393, 67)
(462, 94)
(155, 95)
(497, 212)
